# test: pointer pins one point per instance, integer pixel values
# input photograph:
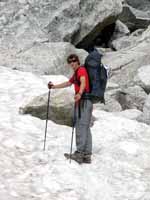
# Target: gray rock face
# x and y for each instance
(97, 14)
(111, 105)
(127, 41)
(143, 78)
(29, 28)
(134, 19)
(126, 62)
(130, 67)
(143, 5)
(132, 98)
(120, 30)
(24, 22)
(145, 116)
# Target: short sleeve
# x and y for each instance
(71, 80)
(81, 72)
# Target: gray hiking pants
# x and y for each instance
(83, 113)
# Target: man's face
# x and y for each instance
(73, 63)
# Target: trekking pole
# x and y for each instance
(47, 118)
(73, 126)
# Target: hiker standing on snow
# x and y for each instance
(83, 110)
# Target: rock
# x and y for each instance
(25, 22)
(142, 78)
(94, 22)
(120, 30)
(111, 86)
(42, 58)
(143, 5)
(60, 105)
(125, 63)
(145, 116)
(127, 41)
(134, 19)
(131, 98)
(111, 104)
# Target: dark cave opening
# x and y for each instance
(102, 39)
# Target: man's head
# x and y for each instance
(73, 61)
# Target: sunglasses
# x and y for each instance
(73, 60)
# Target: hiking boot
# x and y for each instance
(77, 156)
(67, 155)
(87, 158)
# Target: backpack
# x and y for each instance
(98, 75)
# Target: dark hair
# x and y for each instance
(73, 56)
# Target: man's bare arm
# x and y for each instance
(61, 85)
(81, 90)
(82, 85)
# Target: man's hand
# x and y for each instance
(50, 85)
(77, 97)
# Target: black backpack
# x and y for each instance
(97, 77)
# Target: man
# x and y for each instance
(83, 110)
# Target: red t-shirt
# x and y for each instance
(81, 71)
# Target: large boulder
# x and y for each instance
(61, 102)
(25, 22)
(95, 16)
(29, 28)
(42, 58)
(60, 107)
